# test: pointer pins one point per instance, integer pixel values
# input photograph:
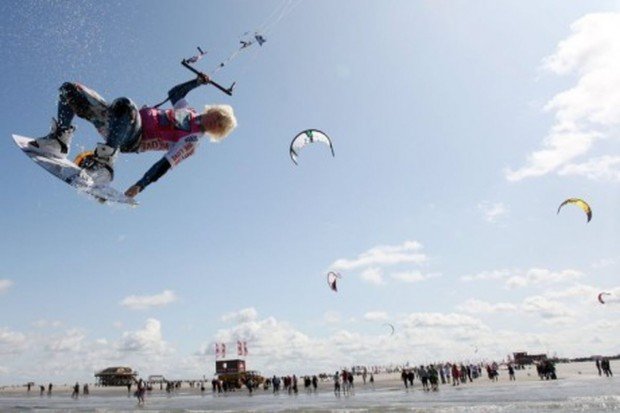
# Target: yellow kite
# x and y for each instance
(580, 203)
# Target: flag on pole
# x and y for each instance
(217, 350)
(223, 350)
(239, 349)
(245, 348)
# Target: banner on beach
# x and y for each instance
(242, 348)
(220, 350)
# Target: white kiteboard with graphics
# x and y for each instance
(72, 174)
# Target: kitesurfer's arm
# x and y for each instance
(180, 91)
(157, 171)
(180, 151)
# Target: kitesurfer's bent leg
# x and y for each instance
(76, 99)
(122, 135)
(124, 125)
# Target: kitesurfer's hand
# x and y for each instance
(133, 191)
(203, 79)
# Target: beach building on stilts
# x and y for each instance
(116, 376)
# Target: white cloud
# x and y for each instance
(587, 112)
(143, 302)
(547, 309)
(487, 275)
(408, 252)
(373, 276)
(519, 278)
(413, 276)
(492, 212)
(241, 316)
(474, 306)
(604, 168)
(12, 341)
(71, 340)
(331, 317)
(376, 316)
(603, 263)
(43, 323)
(441, 320)
(148, 340)
(537, 276)
(586, 292)
(5, 285)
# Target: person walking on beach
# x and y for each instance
(410, 377)
(433, 377)
(455, 375)
(76, 390)
(315, 383)
(606, 368)
(140, 392)
(403, 377)
(350, 379)
(49, 389)
(598, 366)
(337, 384)
(423, 374)
(511, 372)
(442, 374)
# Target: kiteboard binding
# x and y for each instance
(72, 174)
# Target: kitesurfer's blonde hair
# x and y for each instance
(227, 122)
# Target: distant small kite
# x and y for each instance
(305, 137)
(332, 278)
(391, 327)
(600, 297)
(580, 203)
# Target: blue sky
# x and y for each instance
(458, 128)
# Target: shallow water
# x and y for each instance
(576, 395)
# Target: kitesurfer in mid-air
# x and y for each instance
(126, 129)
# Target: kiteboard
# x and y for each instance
(73, 175)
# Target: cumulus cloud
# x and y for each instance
(441, 320)
(492, 212)
(487, 275)
(331, 317)
(5, 285)
(12, 341)
(241, 316)
(537, 276)
(408, 252)
(603, 263)
(143, 302)
(43, 323)
(519, 278)
(413, 276)
(547, 309)
(474, 306)
(71, 340)
(376, 316)
(586, 292)
(587, 112)
(148, 340)
(373, 276)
